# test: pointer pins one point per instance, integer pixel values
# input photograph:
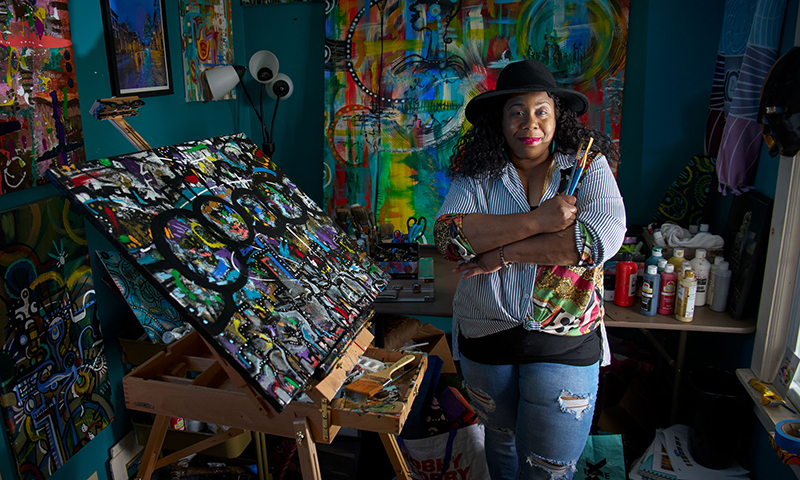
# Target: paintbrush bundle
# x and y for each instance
(577, 168)
(371, 383)
(116, 107)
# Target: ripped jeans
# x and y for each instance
(537, 416)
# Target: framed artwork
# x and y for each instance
(746, 237)
(137, 47)
(55, 396)
(40, 115)
(206, 42)
(399, 74)
(250, 261)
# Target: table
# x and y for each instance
(705, 320)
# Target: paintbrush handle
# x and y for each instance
(386, 373)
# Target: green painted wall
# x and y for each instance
(671, 51)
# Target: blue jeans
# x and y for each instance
(536, 416)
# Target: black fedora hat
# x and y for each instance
(523, 77)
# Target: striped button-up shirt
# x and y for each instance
(490, 303)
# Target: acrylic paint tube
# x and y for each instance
(666, 291)
(722, 283)
(650, 286)
(625, 284)
(684, 303)
(712, 276)
(701, 268)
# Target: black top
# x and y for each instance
(517, 346)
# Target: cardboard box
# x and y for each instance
(437, 345)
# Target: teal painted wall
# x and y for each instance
(671, 51)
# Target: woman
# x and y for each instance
(527, 313)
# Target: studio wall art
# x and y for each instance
(206, 42)
(40, 117)
(56, 396)
(249, 260)
(156, 315)
(400, 72)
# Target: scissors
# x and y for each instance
(398, 237)
(416, 227)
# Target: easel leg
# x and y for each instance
(261, 456)
(306, 450)
(153, 448)
(393, 450)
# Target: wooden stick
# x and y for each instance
(306, 450)
(200, 446)
(395, 456)
(153, 448)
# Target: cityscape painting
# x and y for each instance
(137, 47)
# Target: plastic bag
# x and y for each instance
(602, 458)
(457, 454)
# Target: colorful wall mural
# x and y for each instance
(248, 259)
(56, 396)
(400, 72)
(206, 41)
(40, 122)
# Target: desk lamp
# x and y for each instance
(263, 67)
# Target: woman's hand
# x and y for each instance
(556, 214)
(482, 264)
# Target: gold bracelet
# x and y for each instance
(503, 258)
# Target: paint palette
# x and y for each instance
(248, 259)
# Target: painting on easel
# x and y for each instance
(55, 395)
(248, 259)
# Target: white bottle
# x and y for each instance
(662, 265)
(658, 239)
(693, 229)
(701, 268)
(712, 276)
(722, 283)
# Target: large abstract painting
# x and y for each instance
(156, 315)
(206, 41)
(40, 118)
(56, 395)
(248, 259)
(400, 72)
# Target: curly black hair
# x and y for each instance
(481, 151)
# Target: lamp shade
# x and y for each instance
(222, 80)
(263, 66)
(281, 87)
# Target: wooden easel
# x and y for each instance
(191, 380)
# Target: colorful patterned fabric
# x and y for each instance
(685, 201)
(748, 48)
(450, 238)
(567, 300)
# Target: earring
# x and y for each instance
(553, 146)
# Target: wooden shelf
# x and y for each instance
(705, 320)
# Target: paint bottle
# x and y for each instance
(654, 257)
(677, 258)
(693, 229)
(701, 268)
(722, 283)
(684, 302)
(625, 284)
(703, 228)
(662, 264)
(685, 266)
(666, 291)
(609, 281)
(712, 276)
(658, 239)
(650, 286)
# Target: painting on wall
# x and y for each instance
(400, 72)
(40, 117)
(137, 47)
(206, 42)
(56, 396)
(248, 259)
(156, 315)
